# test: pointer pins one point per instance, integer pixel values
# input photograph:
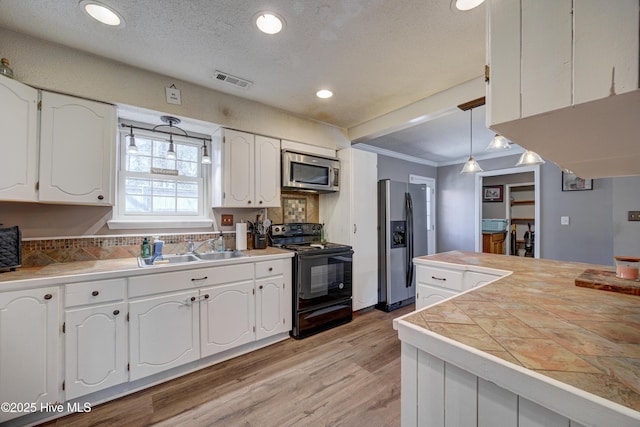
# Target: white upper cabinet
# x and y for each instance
(563, 81)
(246, 170)
(18, 121)
(77, 150)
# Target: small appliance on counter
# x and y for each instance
(10, 248)
(260, 232)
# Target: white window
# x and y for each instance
(155, 191)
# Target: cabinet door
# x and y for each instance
(503, 58)
(95, 349)
(428, 295)
(163, 333)
(18, 121)
(270, 309)
(546, 55)
(268, 181)
(605, 48)
(77, 150)
(364, 228)
(29, 351)
(227, 317)
(474, 279)
(239, 169)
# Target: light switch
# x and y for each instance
(564, 220)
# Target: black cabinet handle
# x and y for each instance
(270, 268)
(95, 293)
(116, 312)
(206, 296)
(193, 299)
(48, 296)
(261, 286)
(439, 278)
(195, 279)
(100, 197)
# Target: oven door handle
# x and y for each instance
(324, 255)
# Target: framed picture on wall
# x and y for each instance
(570, 182)
(492, 193)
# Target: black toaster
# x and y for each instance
(10, 248)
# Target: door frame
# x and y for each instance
(478, 203)
(431, 233)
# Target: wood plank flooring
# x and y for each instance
(347, 376)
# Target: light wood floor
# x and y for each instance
(347, 376)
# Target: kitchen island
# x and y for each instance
(528, 349)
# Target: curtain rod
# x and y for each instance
(186, 135)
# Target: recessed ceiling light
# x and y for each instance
(468, 4)
(324, 93)
(269, 22)
(102, 13)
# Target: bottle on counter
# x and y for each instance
(220, 244)
(5, 70)
(145, 248)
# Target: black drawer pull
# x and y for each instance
(439, 278)
(95, 293)
(195, 279)
(270, 268)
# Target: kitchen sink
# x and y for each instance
(213, 256)
(168, 259)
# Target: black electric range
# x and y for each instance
(322, 277)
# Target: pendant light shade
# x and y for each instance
(471, 166)
(498, 143)
(530, 158)
(171, 152)
(206, 160)
(131, 147)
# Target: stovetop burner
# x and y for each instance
(302, 237)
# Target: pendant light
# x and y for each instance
(471, 166)
(498, 143)
(206, 160)
(132, 148)
(530, 158)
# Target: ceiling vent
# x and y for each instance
(232, 80)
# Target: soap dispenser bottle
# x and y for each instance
(145, 248)
(220, 243)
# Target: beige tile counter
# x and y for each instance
(537, 319)
(122, 267)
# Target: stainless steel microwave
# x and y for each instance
(308, 172)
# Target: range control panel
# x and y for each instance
(296, 229)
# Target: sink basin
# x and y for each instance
(168, 259)
(213, 256)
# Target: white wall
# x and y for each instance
(58, 68)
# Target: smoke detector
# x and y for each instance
(232, 80)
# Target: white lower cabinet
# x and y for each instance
(428, 295)
(226, 317)
(29, 350)
(270, 306)
(95, 348)
(473, 279)
(163, 333)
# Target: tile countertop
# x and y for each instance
(536, 318)
(80, 271)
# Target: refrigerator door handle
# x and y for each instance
(409, 238)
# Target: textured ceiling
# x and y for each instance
(375, 55)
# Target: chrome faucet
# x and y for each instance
(194, 248)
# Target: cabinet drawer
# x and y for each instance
(444, 278)
(269, 268)
(94, 292)
(188, 279)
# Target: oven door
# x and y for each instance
(323, 279)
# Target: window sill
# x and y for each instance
(115, 224)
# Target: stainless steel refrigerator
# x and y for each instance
(402, 235)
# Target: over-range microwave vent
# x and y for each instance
(232, 80)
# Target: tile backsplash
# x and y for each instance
(41, 252)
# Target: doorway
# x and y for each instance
(536, 203)
(430, 184)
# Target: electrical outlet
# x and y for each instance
(564, 220)
(634, 215)
(227, 219)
